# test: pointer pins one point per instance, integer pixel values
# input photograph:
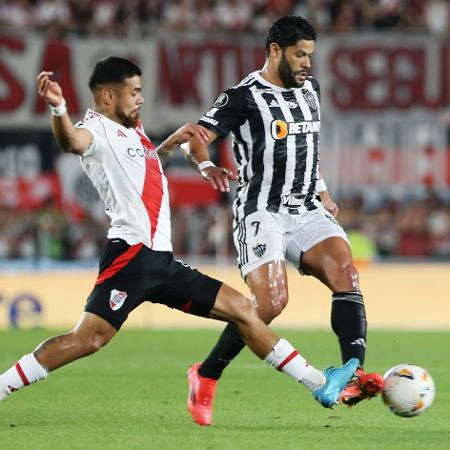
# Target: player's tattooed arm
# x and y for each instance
(181, 136)
(69, 138)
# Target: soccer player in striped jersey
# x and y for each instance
(137, 262)
(283, 210)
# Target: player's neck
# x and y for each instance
(269, 73)
(107, 113)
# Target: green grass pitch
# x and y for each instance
(132, 395)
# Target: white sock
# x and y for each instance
(26, 371)
(285, 358)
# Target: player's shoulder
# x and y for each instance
(90, 119)
(237, 94)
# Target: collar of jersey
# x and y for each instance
(272, 86)
(91, 111)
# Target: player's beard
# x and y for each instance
(128, 121)
(287, 76)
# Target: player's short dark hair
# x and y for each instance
(288, 30)
(112, 69)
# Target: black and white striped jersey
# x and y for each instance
(275, 141)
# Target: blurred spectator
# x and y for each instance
(104, 16)
(16, 13)
(128, 17)
(82, 12)
(149, 15)
(343, 14)
(437, 16)
(52, 16)
(234, 15)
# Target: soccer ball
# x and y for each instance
(408, 390)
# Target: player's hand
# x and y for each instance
(187, 132)
(219, 177)
(49, 90)
(329, 204)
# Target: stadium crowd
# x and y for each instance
(149, 17)
(418, 228)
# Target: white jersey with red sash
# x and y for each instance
(125, 169)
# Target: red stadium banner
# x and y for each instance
(384, 106)
(371, 74)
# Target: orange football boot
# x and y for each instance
(363, 386)
(201, 396)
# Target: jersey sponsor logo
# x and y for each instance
(208, 120)
(280, 129)
(120, 133)
(293, 200)
(141, 153)
(221, 100)
(259, 250)
(116, 299)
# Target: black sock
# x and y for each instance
(227, 348)
(348, 320)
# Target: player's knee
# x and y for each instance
(244, 310)
(272, 308)
(352, 275)
(347, 277)
(88, 344)
(278, 304)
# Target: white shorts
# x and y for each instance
(265, 236)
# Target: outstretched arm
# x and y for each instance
(184, 134)
(68, 138)
(197, 155)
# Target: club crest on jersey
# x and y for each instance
(310, 99)
(116, 299)
(259, 250)
(280, 129)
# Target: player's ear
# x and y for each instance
(275, 50)
(107, 95)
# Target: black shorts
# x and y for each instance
(130, 275)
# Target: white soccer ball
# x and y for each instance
(408, 390)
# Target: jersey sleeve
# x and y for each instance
(92, 126)
(228, 112)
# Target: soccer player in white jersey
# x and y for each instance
(137, 262)
(283, 210)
